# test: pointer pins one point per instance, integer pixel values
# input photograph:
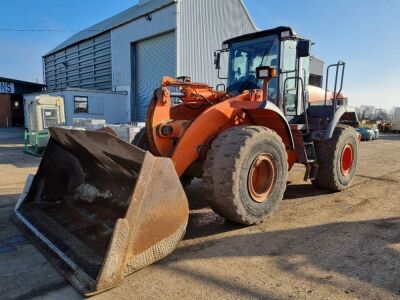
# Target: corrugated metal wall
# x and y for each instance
(85, 65)
(122, 40)
(154, 59)
(203, 26)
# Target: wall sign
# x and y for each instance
(7, 87)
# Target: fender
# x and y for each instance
(347, 113)
(272, 107)
(268, 115)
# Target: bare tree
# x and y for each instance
(391, 115)
(364, 112)
(367, 112)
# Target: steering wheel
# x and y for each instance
(249, 83)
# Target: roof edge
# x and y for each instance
(83, 90)
(57, 49)
(259, 34)
(249, 15)
(17, 81)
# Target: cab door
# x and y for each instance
(293, 68)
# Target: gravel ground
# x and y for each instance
(318, 245)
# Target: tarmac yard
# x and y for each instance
(318, 245)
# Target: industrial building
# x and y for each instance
(133, 50)
(129, 53)
(11, 100)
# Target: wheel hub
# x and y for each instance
(262, 177)
(346, 160)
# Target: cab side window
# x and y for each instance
(289, 70)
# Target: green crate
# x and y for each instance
(34, 148)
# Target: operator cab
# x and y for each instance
(245, 57)
(277, 48)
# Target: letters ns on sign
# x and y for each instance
(6, 87)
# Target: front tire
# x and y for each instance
(245, 173)
(140, 139)
(337, 159)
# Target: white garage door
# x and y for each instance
(154, 59)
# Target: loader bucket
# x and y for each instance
(100, 208)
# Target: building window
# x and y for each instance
(81, 104)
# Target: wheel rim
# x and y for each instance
(262, 177)
(346, 160)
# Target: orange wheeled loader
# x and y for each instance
(101, 208)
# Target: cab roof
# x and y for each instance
(258, 34)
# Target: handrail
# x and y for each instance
(336, 93)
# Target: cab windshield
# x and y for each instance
(245, 57)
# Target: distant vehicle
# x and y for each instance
(395, 126)
(366, 134)
(386, 127)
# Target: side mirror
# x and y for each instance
(266, 73)
(217, 60)
(303, 48)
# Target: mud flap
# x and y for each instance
(101, 208)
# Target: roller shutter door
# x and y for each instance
(154, 58)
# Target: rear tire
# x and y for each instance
(245, 173)
(337, 159)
